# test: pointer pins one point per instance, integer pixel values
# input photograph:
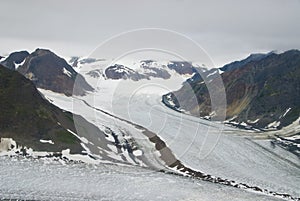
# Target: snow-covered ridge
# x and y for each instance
(135, 70)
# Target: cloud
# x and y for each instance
(223, 28)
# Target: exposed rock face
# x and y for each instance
(182, 67)
(74, 62)
(148, 69)
(27, 117)
(14, 58)
(262, 94)
(48, 71)
(117, 72)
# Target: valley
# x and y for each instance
(124, 123)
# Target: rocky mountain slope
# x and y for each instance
(48, 71)
(28, 118)
(263, 93)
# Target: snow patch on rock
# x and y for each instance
(66, 72)
(46, 141)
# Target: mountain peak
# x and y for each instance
(251, 58)
(14, 58)
(49, 71)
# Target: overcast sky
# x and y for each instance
(227, 30)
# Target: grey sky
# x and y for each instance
(227, 30)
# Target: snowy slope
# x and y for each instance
(41, 180)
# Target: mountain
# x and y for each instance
(14, 59)
(117, 72)
(48, 71)
(262, 94)
(28, 118)
(182, 67)
(144, 69)
(238, 64)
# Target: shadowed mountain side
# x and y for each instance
(27, 117)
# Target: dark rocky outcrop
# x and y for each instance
(14, 58)
(182, 67)
(74, 62)
(117, 72)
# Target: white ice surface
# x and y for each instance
(43, 180)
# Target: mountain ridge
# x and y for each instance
(262, 94)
